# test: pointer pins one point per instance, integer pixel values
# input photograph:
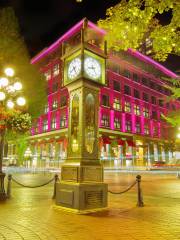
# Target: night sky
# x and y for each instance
(43, 21)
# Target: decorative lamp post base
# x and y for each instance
(2, 191)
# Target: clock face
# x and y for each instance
(92, 67)
(74, 68)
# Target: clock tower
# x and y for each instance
(82, 189)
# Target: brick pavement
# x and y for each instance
(31, 214)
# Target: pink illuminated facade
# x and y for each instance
(132, 131)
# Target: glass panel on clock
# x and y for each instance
(89, 123)
(75, 124)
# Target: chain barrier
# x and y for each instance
(129, 188)
(140, 202)
(10, 179)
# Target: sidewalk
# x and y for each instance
(31, 214)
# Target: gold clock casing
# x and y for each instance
(101, 79)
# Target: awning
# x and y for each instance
(106, 140)
(131, 143)
(120, 142)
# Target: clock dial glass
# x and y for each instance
(92, 67)
(74, 68)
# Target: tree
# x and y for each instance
(130, 22)
(13, 52)
(174, 117)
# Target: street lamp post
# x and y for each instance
(9, 97)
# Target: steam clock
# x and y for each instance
(81, 188)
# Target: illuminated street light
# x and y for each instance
(3, 82)
(2, 96)
(17, 86)
(10, 104)
(9, 72)
(21, 101)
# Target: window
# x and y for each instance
(46, 108)
(152, 85)
(153, 100)
(167, 105)
(138, 127)
(135, 77)
(145, 112)
(117, 123)
(47, 75)
(128, 126)
(159, 88)
(173, 107)
(117, 104)
(105, 100)
(63, 101)
(53, 123)
(146, 129)
(115, 68)
(127, 73)
(116, 86)
(154, 115)
(136, 93)
(145, 81)
(105, 120)
(45, 125)
(145, 97)
(161, 103)
(127, 107)
(137, 109)
(63, 121)
(155, 131)
(55, 87)
(55, 104)
(127, 90)
(56, 70)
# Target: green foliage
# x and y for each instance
(129, 23)
(13, 53)
(21, 140)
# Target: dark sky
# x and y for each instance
(43, 21)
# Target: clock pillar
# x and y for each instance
(81, 189)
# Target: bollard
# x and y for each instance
(140, 197)
(9, 186)
(178, 175)
(56, 178)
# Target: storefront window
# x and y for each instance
(56, 70)
(117, 104)
(75, 124)
(117, 123)
(137, 109)
(127, 107)
(105, 120)
(146, 129)
(128, 126)
(146, 112)
(53, 123)
(63, 121)
(89, 121)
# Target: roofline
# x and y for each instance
(69, 33)
(78, 26)
(152, 62)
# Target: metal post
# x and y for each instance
(9, 186)
(140, 197)
(2, 175)
(56, 178)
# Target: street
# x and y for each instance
(32, 214)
